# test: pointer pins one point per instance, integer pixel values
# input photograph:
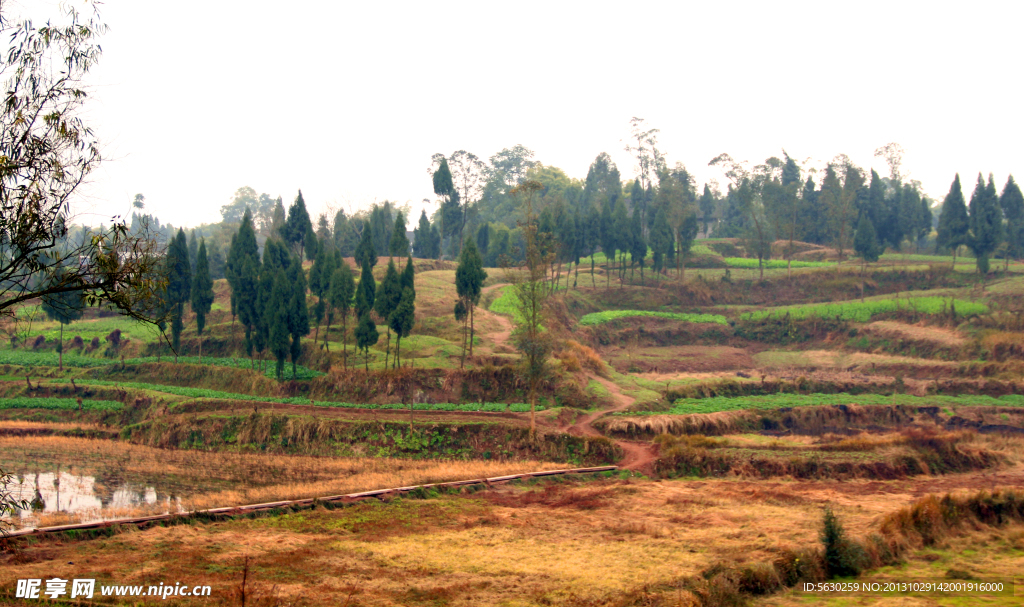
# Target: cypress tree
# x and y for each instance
(706, 203)
(368, 289)
(264, 317)
(986, 222)
(298, 313)
(924, 221)
(865, 242)
(319, 282)
(193, 249)
(483, 239)
(297, 225)
(179, 286)
(1012, 203)
(64, 307)
(386, 301)
(366, 333)
(343, 287)
(469, 280)
(399, 245)
(422, 239)
(309, 244)
(202, 293)
(953, 222)
(277, 309)
(365, 252)
(402, 321)
(608, 241)
(623, 236)
(243, 250)
(409, 276)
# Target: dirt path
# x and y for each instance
(639, 455)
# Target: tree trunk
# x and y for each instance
(387, 349)
(954, 257)
(533, 411)
(327, 332)
(344, 340)
(593, 282)
(471, 328)
(60, 355)
(200, 348)
(398, 352)
(760, 266)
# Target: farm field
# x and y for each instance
(737, 411)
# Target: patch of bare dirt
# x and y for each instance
(678, 359)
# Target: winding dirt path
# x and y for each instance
(639, 456)
(502, 336)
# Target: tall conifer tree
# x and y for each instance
(953, 231)
(202, 293)
(986, 222)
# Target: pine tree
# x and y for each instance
(953, 221)
(193, 249)
(624, 236)
(687, 234)
(924, 221)
(202, 293)
(608, 241)
(409, 276)
(1012, 203)
(422, 241)
(179, 286)
(986, 222)
(483, 239)
(343, 287)
(64, 307)
(386, 301)
(469, 281)
(707, 208)
(298, 313)
(399, 245)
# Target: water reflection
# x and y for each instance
(61, 497)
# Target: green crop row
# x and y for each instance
(302, 400)
(859, 311)
(31, 358)
(26, 402)
(774, 264)
(597, 318)
(688, 406)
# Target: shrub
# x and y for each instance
(77, 342)
(94, 344)
(38, 342)
(843, 558)
(114, 338)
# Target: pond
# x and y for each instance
(63, 497)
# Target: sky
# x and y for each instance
(347, 101)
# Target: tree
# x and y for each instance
(924, 220)
(953, 229)
(193, 249)
(46, 152)
(368, 288)
(528, 297)
(758, 238)
(179, 287)
(278, 313)
(687, 234)
(483, 239)
(638, 244)
(1012, 203)
(343, 287)
(386, 301)
(444, 189)
(298, 313)
(64, 307)
(866, 241)
(986, 222)
(297, 225)
(707, 209)
(840, 199)
(402, 321)
(243, 276)
(399, 245)
(425, 243)
(365, 252)
(366, 333)
(662, 241)
(202, 293)
(469, 282)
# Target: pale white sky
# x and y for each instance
(348, 100)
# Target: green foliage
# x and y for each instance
(866, 241)
(202, 288)
(62, 404)
(597, 318)
(751, 264)
(770, 402)
(863, 311)
(986, 222)
(843, 558)
(366, 335)
(399, 245)
(953, 223)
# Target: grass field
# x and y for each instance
(863, 311)
(70, 404)
(775, 264)
(30, 358)
(597, 318)
(780, 401)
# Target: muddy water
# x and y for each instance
(62, 497)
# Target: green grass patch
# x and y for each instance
(862, 311)
(778, 401)
(775, 264)
(597, 318)
(70, 404)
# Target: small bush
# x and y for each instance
(843, 557)
(94, 344)
(38, 342)
(114, 338)
(77, 343)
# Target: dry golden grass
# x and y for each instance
(29, 425)
(207, 479)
